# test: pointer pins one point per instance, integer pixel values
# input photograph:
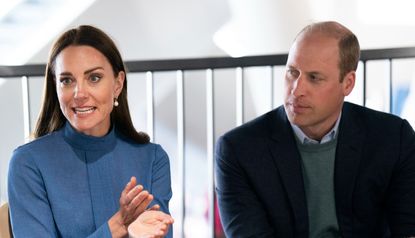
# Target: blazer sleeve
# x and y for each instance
(241, 212)
(30, 212)
(401, 200)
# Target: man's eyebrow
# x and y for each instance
(314, 72)
(291, 67)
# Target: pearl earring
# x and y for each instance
(116, 102)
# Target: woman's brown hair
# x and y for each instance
(51, 117)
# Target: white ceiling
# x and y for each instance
(26, 25)
(163, 29)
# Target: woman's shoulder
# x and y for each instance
(150, 146)
(151, 149)
(43, 143)
(35, 152)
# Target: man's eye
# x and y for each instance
(314, 78)
(293, 73)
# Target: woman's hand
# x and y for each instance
(150, 224)
(133, 201)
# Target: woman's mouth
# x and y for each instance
(84, 110)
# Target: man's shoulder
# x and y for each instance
(370, 115)
(370, 120)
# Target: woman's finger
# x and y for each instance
(128, 187)
(134, 192)
(137, 206)
(142, 206)
(139, 199)
(155, 207)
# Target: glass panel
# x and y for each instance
(196, 177)
(403, 100)
(356, 96)
(377, 85)
(257, 91)
(279, 77)
(165, 134)
(35, 99)
(224, 101)
(11, 126)
(137, 100)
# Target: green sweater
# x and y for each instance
(318, 175)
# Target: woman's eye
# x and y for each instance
(95, 78)
(66, 81)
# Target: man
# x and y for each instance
(318, 166)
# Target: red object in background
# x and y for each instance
(218, 225)
(218, 230)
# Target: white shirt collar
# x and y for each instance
(304, 139)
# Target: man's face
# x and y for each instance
(314, 93)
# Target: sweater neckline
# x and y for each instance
(86, 142)
(317, 147)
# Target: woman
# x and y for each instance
(79, 177)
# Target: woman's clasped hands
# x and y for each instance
(134, 218)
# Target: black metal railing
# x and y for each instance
(25, 72)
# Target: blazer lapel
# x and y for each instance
(288, 162)
(348, 157)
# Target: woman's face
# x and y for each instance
(86, 88)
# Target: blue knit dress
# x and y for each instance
(67, 184)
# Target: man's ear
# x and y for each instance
(348, 82)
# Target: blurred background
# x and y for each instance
(176, 29)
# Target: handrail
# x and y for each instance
(387, 53)
(209, 63)
(26, 72)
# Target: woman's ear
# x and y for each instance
(119, 83)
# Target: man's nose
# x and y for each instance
(299, 86)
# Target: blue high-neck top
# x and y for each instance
(67, 184)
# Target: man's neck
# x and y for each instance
(307, 135)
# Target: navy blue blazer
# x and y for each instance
(260, 188)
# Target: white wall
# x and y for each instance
(163, 29)
(157, 29)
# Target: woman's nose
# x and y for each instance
(80, 91)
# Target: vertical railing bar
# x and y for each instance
(239, 96)
(390, 87)
(150, 104)
(210, 134)
(272, 87)
(364, 82)
(181, 147)
(26, 108)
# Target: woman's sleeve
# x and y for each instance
(161, 182)
(102, 232)
(30, 211)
